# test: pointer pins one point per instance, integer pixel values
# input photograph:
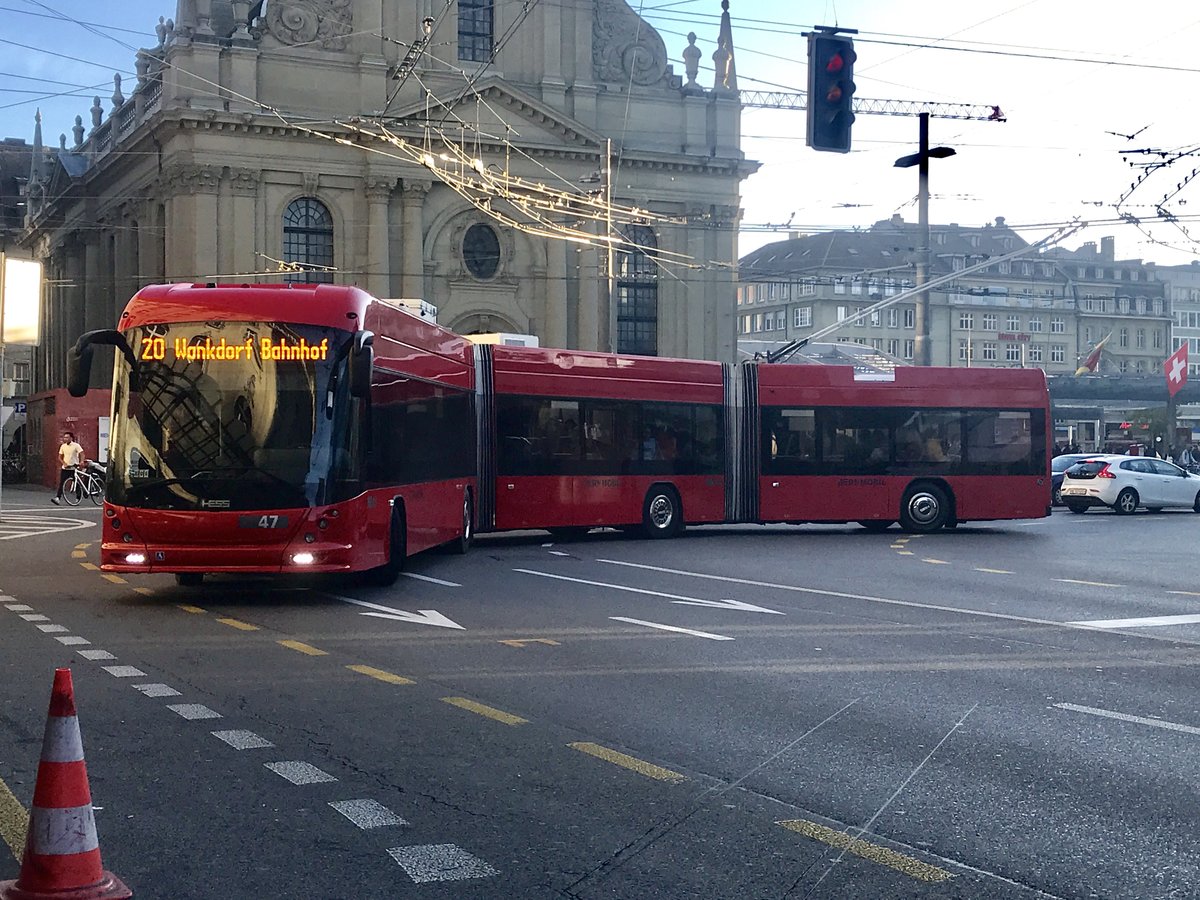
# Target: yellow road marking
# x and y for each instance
(381, 674)
(236, 623)
(890, 858)
(523, 641)
(149, 593)
(307, 649)
(91, 567)
(115, 579)
(629, 762)
(498, 714)
(994, 571)
(78, 554)
(82, 546)
(194, 610)
(903, 540)
(1088, 583)
(936, 562)
(14, 821)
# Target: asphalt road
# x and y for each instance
(744, 712)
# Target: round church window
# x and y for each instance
(481, 251)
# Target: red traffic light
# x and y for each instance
(835, 64)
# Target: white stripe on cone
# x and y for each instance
(60, 832)
(62, 742)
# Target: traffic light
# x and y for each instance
(830, 91)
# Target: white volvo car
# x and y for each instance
(1127, 482)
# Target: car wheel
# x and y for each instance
(1127, 502)
(924, 508)
(662, 513)
(1056, 499)
(1077, 507)
(1196, 504)
(875, 525)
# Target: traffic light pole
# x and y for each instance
(921, 354)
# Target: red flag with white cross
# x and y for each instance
(1176, 368)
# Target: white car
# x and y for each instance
(1127, 482)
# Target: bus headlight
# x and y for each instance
(302, 559)
(136, 559)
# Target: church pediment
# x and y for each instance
(531, 120)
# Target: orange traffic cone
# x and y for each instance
(62, 852)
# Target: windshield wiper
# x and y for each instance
(245, 470)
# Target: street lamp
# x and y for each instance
(921, 160)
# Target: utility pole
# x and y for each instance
(608, 233)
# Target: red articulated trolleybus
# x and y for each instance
(286, 428)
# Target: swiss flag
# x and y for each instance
(1176, 368)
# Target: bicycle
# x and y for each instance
(87, 481)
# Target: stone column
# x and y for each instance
(379, 266)
(724, 339)
(243, 189)
(149, 244)
(124, 281)
(192, 225)
(554, 315)
(412, 198)
(698, 295)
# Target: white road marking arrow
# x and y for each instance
(420, 617)
(730, 604)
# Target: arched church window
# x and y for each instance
(475, 25)
(308, 239)
(481, 251)
(637, 292)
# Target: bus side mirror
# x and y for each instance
(79, 359)
(362, 360)
(79, 368)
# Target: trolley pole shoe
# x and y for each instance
(62, 852)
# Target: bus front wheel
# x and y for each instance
(397, 547)
(662, 513)
(925, 508)
(462, 543)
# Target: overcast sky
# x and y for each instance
(1074, 77)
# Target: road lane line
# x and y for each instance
(18, 607)
(52, 629)
(661, 627)
(299, 772)
(156, 690)
(82, 546)
(242, 740)
(188, 608)
(367, 813)
(635, 590)
(1122, 717)
(192, 711)
(145, 592)
(380, 675)
(935, 562)
(14, 821)
(908, 865)
(1144, 622)
(115, 579)
(35, 617)
(430, 579)
(238, 624)
(1088, 583)
(72, 641)
(1186, 593)
(91, 567)
(301, 647)
(489, 712)
(78, 554)
(904, 553)
(122, 671)
(96, 654)
(994, 571)
(439, 862)
(629, 762)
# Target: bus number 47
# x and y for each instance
(268, 521)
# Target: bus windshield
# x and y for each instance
(229, 416)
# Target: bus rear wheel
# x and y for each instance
(662, 513)
(925, 508)
(462, 543)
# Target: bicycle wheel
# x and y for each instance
(72, 491)
(96, 491)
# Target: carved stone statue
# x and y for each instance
(691, 60)
(97, 112)
(161, 30)
(78, 130)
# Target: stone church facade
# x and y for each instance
(240, 154)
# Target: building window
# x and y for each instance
(856, 286)
(1058, 352)
(893, 317)
(744, 325)
(1158, 306)
(1157, 340)
(964, 349)
(966, 320)
(841, 313)
(1123, 306)
(758, 322)
(875, 318)
(991, 321)
(1057, 325)
(808, 288)
(1123, 366)
(475, 26)
(1139, 339)
(802, 317)
(909, 349)
(1005, 267)
(910, 317)
(308, 240)
(1014, 322)
(637, 293)
(1012, 353)
(876, 343)
(481, 251)
(893, 346)
(1087, 335)
(1035, 353)
(1138, 367)
(839, 287)
(1035, 323)
(860, 319)
(1102, 305)
(1140, 305)
(989, 350)
(1087, 304)
(1123, 338)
